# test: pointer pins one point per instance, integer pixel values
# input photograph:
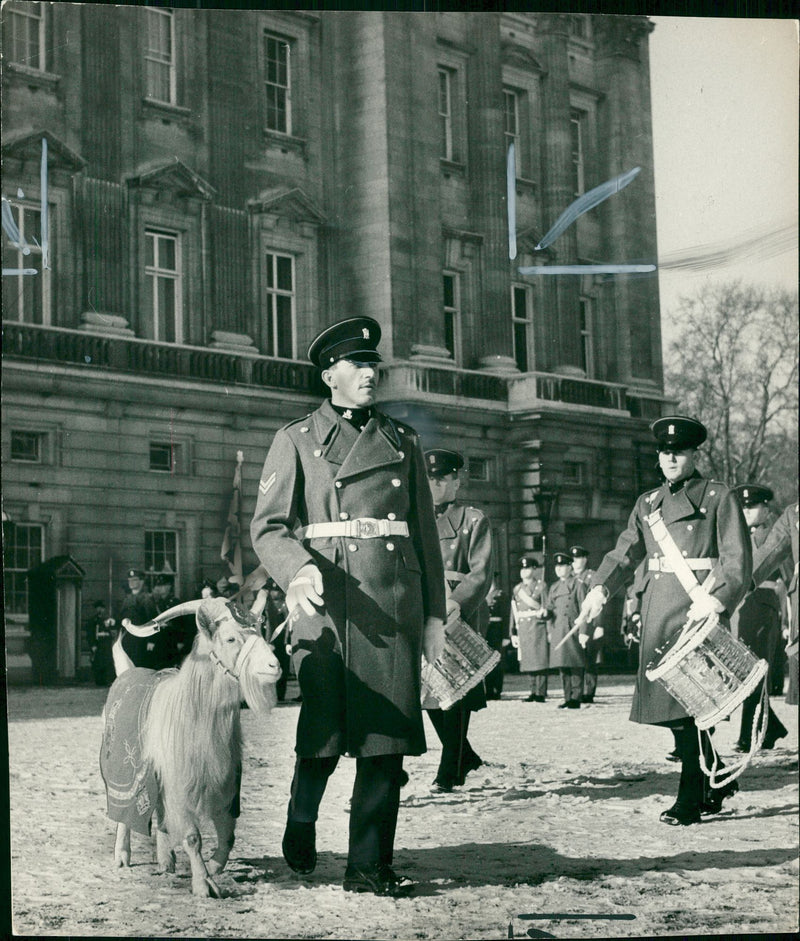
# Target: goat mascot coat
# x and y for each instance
(358, 659)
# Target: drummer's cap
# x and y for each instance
(678, 432)
(753, 494)
(355, 339)
(562, 558)
(528, 562)
(440, 461)
(135, 573)
(578, 552)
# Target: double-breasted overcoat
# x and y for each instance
(465, 539)
(564, 600)
(706, 522)
(358, 659)
(534, 649)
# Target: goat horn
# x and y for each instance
(154, 626)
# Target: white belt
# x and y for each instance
(522, 615)
(663, 565)
(772, 585)
(361, 528)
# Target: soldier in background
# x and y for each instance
(139, 607)
(592, 642)
(497, 635)
(528, 629)
(757, 620)
(465, 541)
(276, 614)
(564, 599)
(101, 633)
(780, 548)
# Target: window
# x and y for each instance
(26, 446)
(574, 474)
(577, 129)
(160, 555)
(163, 285)
(24, 34)
(452, 311)
(277, 83)
(26, 297)
(446, 151)
(587, 343)
(23, 548)
(165, 457)
(522, 326)
(511, 125)
(280, 306)
(159, 57)
(478, 468)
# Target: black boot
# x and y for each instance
(300, 847)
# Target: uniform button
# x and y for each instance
(703, 509)
(318, 452)
(396, 481)
(401, 454)
(453, 545)
(657, 577)
(338, 484)
(690, 527)
(391, 516)
(465, 532)
(352, 547)
(304, 430)
(390, 546)
(685, 552)
(344, 516)
(402, 431)
(712, 493)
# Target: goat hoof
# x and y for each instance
(213, 867)
(206, 888)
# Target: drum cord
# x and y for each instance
(757, 733)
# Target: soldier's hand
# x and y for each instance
(598, 633)
(515, 641)
(305, 589)
(583, 640)
(453, 611)
(593, 603)
(433, 639)
(704, 605)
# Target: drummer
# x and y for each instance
(704, 527)
(465, 538)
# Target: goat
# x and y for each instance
(171, 751)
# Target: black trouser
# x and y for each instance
(373, 807)
(539, 683)
(458, 756)
(775, 728)
(693, 788)
(572, 683)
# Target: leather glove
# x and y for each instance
(703, 605)
(433, 639)
(593, 603)
(305, 589)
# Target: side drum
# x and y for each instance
(464, 662)
(708, 671)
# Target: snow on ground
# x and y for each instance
(556, 836)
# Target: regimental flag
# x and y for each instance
(231, 551)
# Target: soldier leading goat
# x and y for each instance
(171, 751)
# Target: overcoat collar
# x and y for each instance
(450, 521)
(684, 503)
(355, 452)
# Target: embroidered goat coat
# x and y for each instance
(705, 520)
(358, 660)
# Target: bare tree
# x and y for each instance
(734, 366)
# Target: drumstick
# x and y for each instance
(580, 620)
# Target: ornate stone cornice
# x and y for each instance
(621, 35)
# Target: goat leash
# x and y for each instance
(244, 653)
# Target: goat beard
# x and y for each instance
(259, 695)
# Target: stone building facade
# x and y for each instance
(219, 185)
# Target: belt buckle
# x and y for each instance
(367, 528)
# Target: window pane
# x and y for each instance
(521, 346)
(22, 550)
(160, 457)
(449, 332)
(25, 446)
(283, 306)
(270, 270)
(449, 290)
(149, 251)
(166, 255)
(284, 274)
(166, 309)
(520, 306)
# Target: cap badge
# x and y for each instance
(671, 430)
(365, 333)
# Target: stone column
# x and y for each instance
(561, 292)
(487, 177)
(628, 219)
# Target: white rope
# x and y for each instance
(731, 772)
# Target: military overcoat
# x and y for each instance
(534, 649)
(705, 520)
(757, 620)
(465, 538)
(564, 600)
(358, 660)
(591, 651)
